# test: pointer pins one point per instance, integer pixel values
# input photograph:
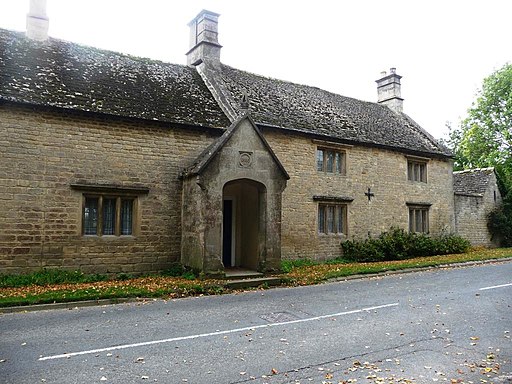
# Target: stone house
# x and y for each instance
(476, 195)
(114, 163)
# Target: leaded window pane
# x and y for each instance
(330, 219)
(126, 217)
(330, 161)
(338, 162)
(339, 220)
(91, 216)
(321, 219)
(424, 220)
(320, 160)
(109, 216)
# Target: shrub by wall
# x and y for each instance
(398, 244)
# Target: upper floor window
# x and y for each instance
(417, 170)
(330, 161)
(108, 215)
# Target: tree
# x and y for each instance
(484, 138)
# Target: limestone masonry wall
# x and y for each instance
(471, 213)
(43, 153)
(385, 172)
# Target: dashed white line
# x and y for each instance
(496, 286)
(190, 337)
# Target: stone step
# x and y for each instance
(243, 276)
(252, 282)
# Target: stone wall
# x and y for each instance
(471, 213)
(43, 153)
(385, 172)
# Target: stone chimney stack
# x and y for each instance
(37, 21)
(204, 43)
(388, 90)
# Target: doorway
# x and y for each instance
(244, 214)
(228, 232)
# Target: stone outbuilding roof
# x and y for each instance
(67, 75)
(61, 74)
(472, 182)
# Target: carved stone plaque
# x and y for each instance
(245, 159)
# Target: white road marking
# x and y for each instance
(125, 346)
(495, 286)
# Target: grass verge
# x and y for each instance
(54, 286)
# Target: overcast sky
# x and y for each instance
(442, 48)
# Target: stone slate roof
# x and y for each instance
(67, 75)
(312, 110)
(472, 182)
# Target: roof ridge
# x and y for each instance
(474, 170)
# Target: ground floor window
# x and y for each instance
(418, 219)
(332, 218)
(105, 215)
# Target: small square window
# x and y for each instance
(418, 219)
(108, 215)
(332, 218)
(330, 161)
(417, 171)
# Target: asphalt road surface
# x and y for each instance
(447, 325)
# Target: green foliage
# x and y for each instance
(484, 138)
(288, 265)
(500, 222)
(49, 276)
(398, 244)
(178, 270)
(175, 270)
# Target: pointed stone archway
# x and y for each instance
(231, 212)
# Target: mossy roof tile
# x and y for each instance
(67, 75)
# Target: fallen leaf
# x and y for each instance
(103, 378)
(274, 371)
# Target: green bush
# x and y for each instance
(49, 276)
(500, 222)
(398, 244)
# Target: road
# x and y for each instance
(446, 325)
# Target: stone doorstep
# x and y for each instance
(241, 273)
(252, 282)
